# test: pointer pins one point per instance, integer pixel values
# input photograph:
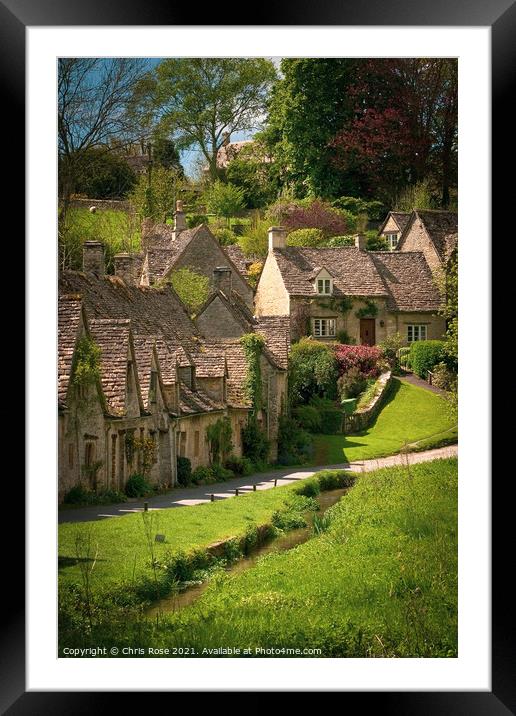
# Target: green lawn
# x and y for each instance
(381, 581)
(122, 551)
(409, 414)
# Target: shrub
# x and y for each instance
(192, 288)
(367, 358)
(79, 495)
(222, 473)
(196, 220)
(255, 241)
(305, 237)
(444, 378)
(203, 474)
(334, 479)
(225, 236)
(352, 383)
(308, 418)
(239, 465)
(184, 471)
(309, 214)
(405, 357)
(331, 415)
(309, 487)
(137, 486)
(390, 348)
(224, 200)
(338, 241)
(255, 445)
(345, 338)
(295, 445)
(424, 355)
(313, 370)
(76, 495)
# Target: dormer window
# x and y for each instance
(324, 286)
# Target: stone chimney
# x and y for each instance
(360, 241)
(222, 279)
(277, 238)
(125, 268)
(179, 219)
(93, 258)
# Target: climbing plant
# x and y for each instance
(342, 304)
(219, 436)
(370, 309)
(87, 365)
(253, 345)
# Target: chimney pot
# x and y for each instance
(277, 237)
(93, 258)
(360, 241)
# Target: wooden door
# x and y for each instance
(367, 331)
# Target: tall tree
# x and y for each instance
(93, 94)
(198, 101)
(308, 106)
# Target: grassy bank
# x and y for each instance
(381, 581)
(409, 414)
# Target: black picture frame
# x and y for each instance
(500, 15)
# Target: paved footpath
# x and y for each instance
(185, 496)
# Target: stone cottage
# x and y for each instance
(169, 248)
(434, 233)
(393, 226)
(349, 294)
(159, 380)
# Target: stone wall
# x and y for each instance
(362, 419)
(271, 297)
(417, 239)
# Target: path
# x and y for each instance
(186, 496)
(414, 379)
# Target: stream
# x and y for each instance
(178, 600)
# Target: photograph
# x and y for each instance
(257, 380)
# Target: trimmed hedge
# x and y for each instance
(424, 355)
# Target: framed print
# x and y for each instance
(242, 266)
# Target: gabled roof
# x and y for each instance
(276, 331)
(408, 280)
(441, 227)
(192, 402)
(236, 306)
(354, 272)
(210, 363)
(237, 256)
(69, 324)
(112, 336)
(400, 217)
(144, 351)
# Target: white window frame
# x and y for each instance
(393, 239)
(324, 282)
(325, 327)
(416, 332)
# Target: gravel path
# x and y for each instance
(185, 496)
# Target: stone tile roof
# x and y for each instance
(408, 280)
(276, 331)
(143, 352)
(237, 256)
(152, 311)
(442, 228)
(69, 319)
(192, 402)
(237, 369)
(353, 271)
(210, 363)
(112, 337)
(400, 217)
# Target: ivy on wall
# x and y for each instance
(339, 304)
(87, 363)
(253, 345)
(370, 309)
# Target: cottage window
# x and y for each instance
(89, 454)
(416, 332)
(393, 240)
(324, 327)
(324, 286)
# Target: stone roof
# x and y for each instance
(143, 352)
(112, 337)
(276, 331)
(237, 369)
(237, 256)
(210, 363)
(152, 311)
(400, 217)
(442, 228)
(353, 271)
(69, 321)
(192, 402)
(408, 280)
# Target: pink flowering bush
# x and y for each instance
(368, 359)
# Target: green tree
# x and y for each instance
(165, 154)
(255, 241)
(255, 173)
(224, 200)
(197, 101)
(155, 195)
(102, 174)
(192, 288)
